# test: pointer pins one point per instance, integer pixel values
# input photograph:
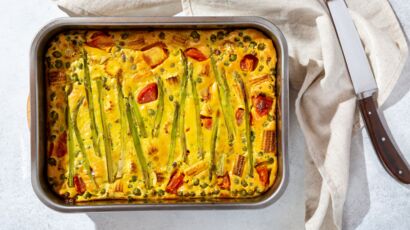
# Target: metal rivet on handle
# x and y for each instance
(383, 139)
(400, 172)
(370, 113)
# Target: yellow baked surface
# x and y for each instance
(172, 114)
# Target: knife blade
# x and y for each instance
(365, 88)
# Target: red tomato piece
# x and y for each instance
(224, 182)
(196, 54)
(263, 173)
(263, 104)
(62, 145)
(206, 122)
(249, 62)
(176, 181)
(101, 40)
(79, 184)
(239, 116)
(148, 93)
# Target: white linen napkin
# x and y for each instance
(326, 105)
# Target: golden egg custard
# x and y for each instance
(172, 114)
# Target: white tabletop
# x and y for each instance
(375, 200)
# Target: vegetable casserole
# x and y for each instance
(163, 114)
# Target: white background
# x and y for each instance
(375, 200)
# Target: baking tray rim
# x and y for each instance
(40, 188)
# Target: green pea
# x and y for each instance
(273, 71)
(220, 35)
(203, 193)
(192, 194)
(271, 160)
(129, 185)
(180, 193)
(244, 183)
(54, 116)
(161, 35)
(260, 154)
(243, 192)
(213, 38)
(195, 35)
(216, 192)
(247, 38)
(199, 80)
(57, 54)
(58, 64)
(161, 192)
(252, 44)
(240, 34)
(261, 46)
(137, 192)
(102, 191)
(232, 57)
(236, 181)
(240, 44)
(260, 68)
(87, 195)
(124, 36)
(236, 39)
(196, 182)
(204, 185)
(151, 112)
(171, 98)
(226, 63)
(52, 161)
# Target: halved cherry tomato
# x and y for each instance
(224, 182)
(196, 54)
(79, 184)
(239, 116)
(249, 62)
(263, 104)
(101, 40)
(148, 93)
(62, 145)
(176, 181)
(263, 173)
(206, 122)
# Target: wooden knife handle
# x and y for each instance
(382, 143)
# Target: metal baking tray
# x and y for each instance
(38, 110)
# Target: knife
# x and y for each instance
(365, 88)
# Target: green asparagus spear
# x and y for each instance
(221, 165)
(199, 136)
(137, 145)
(173, 137)
(124, 128)
(224, 95)
(73, 122)
(249, 146)
(137, 115)
(214, 136)
(160, 108)
(71, 154)
(182, 98)
(106, 137)
(89, 96)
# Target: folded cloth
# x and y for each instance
(326, 103)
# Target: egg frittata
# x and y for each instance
(161, 114)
